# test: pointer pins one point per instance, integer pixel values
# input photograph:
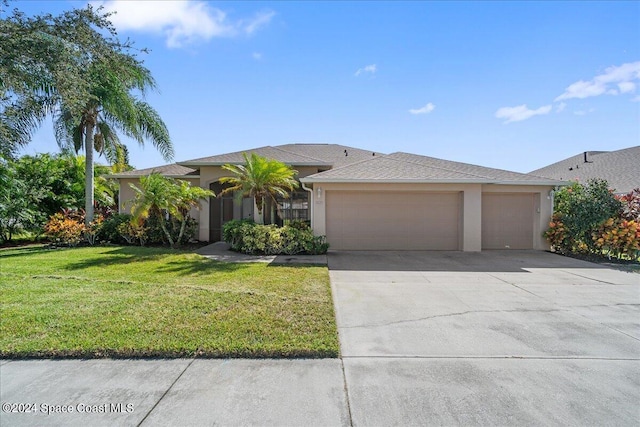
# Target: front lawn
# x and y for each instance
(152, 302)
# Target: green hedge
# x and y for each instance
(250, 238)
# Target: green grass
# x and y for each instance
(152, 302)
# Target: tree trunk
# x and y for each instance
(166, 231)
(88, 179)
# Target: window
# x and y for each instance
(294, 208)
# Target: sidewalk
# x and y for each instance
(184, 392)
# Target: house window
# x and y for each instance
(293, 208)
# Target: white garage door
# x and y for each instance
(361, 220)
(507, 220)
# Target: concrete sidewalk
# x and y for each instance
(182, 392)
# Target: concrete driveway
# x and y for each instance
(491, 338)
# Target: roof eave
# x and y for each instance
(310, 180)
(122, 176)
(196, 163)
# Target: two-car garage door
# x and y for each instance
(361, 220)
(384, 220)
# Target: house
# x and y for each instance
(620, 168)
(364, 200)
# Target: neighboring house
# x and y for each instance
(621, 168)
(363, 200)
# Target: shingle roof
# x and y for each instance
(405, 167)
(620, 168)
(172, 170)
(275, 153)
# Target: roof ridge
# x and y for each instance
(276, 147)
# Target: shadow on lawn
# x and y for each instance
(22, 251)
(130, 254)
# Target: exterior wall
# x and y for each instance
(471, 223)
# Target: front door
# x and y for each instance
(221, 211)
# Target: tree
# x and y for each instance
(16, 211)
(162, 197)
(260, 178)
(82, 78)
(188, 197)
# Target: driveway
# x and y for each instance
(491, 338)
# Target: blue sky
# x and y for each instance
(509, 85)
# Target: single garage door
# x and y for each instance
(361, 220)
(507, 220)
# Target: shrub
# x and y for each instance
(66, 228)
(557, 235)
(109, 230)
(619, 237)
(582, 208)
(133, 233)
(157, 236)
(250, 238)
(631, 205)
(92, 231)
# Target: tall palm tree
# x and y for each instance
(112, 107)
(260, 178)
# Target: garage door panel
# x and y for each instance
(395, 221)
(507, 220)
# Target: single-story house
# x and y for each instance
(620, 168)
(364, 200)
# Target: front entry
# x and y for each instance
(224, 208)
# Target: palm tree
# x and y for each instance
(74, 67)
(112, 107)
(161, 197)
(260, 178)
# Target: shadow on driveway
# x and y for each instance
(512, 261)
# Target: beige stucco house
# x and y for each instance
(363, 200)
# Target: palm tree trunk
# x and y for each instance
(88, 179)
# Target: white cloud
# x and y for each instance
(584, 112)
(424, 110)
(560, 107)
(257, 56)
(181, 22)
(627, 87)
(636, 98)
(260, 20)
(521, 112)
(622, 76)
(371, 69)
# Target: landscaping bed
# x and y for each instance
(151, 302)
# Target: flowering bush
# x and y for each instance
(619, 237)
(66, 228)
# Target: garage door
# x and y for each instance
(507, 220)
(358, 220)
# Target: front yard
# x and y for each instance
(152, 302)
